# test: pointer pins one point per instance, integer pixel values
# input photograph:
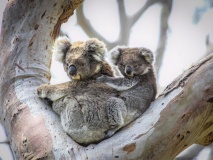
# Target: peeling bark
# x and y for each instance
(181, 116)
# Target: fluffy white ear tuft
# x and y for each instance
(60, 48)
(115, 53)
(97, 49)
(148, 55)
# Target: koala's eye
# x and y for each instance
(136, 66)
(82, 64)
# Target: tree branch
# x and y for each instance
(133, 19)
(124, 33)
(125, 23)
(87, 27)
(165, 13)
(121, 12)
(28, 31)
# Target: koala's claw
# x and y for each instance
(42, 91)
(109, 133)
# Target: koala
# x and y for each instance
(86, 113)
(137, 88)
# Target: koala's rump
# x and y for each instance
(92, 100)
(85, 118)
(137, 100)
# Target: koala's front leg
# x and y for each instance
(119, 83)
(53, 92)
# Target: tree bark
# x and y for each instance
(181, 116)
(28, 31)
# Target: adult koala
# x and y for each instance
(83, 104)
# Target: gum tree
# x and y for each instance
(180, 116)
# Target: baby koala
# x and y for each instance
(138, 86)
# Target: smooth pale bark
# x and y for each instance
(181, 116)
(28, 31)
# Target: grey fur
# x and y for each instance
(86, 114)
(138, 88)
(91, 111)
(61, 46)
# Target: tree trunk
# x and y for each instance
(181, 116)
(28, 31)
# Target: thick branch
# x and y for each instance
(28, 31)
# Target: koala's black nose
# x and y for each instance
(72, 70)
(128, 70)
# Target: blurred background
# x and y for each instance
(179, 32)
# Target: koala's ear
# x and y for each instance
(60, 48)
(95, 49)
(115, 53)
(148, 55)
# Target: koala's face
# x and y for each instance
(81, 60)
(133, 61)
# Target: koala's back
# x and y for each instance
(92, 99)
(139, 97)
(84, 116)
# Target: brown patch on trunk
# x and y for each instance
(207, 140)
(36, 26)
(43, 14)
(129, 147)
(32, 137)
(31, 41)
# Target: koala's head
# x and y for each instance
(81, 60)
(132, 61)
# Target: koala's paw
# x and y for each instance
(109, 133)
(102, 79)
(43, 90)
